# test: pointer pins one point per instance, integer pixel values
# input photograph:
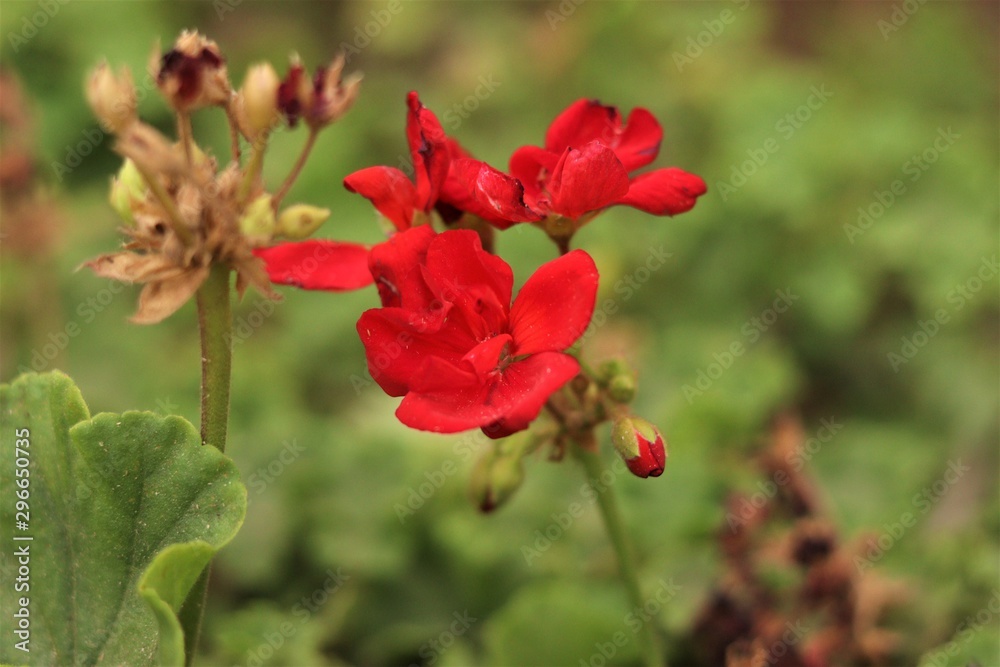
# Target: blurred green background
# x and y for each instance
(796, 114)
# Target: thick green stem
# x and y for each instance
(608, 502)
(215, 322)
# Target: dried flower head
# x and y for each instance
(193, 73)
(320, 101)
(112, 97)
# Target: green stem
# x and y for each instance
(215, 322)
(611, 513)
(296, 168)
(253, 169)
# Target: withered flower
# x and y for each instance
(193, 74)
(186, 219)
(112, 97)
(320, 101)
(184, 212)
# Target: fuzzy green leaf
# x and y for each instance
(125, 512)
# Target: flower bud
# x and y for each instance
(127, 188)
(112, 97)
(619, 379)
(258, 221)
(641, 445)
(299, 221)
(495, 479)
(260, 98)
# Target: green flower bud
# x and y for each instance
(127, 188)
(495, 478)
(619, 379)
(301, 220)
(258, 222)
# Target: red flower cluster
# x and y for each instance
(447, 338)
(583, 168)
(450, 342)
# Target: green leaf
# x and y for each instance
(125, 512)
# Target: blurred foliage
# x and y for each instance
(339, 497)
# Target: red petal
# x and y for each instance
(399, 342)
(639, 143)
(499, 194)
(587, 179)
(485, 357)
(447, 399)
(554, 307)
(478, 283)
(317, 264)
(395, 264)
(664, 191)
(582, 122)
(525, 388)
(428, 149)
(389, 189)
(532, 166)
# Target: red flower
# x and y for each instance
(449, 341)
(402, 201)
(331, 265)
(583, 168)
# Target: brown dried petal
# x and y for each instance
(150, 150)
(163, 298)
(131, 267)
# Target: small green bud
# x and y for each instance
(495, 478)
(622, 388)
(127, 188)
(301, 220)
(258, 221)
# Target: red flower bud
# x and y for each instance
(641, 445)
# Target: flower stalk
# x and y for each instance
(607, 500)
(215, 323)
